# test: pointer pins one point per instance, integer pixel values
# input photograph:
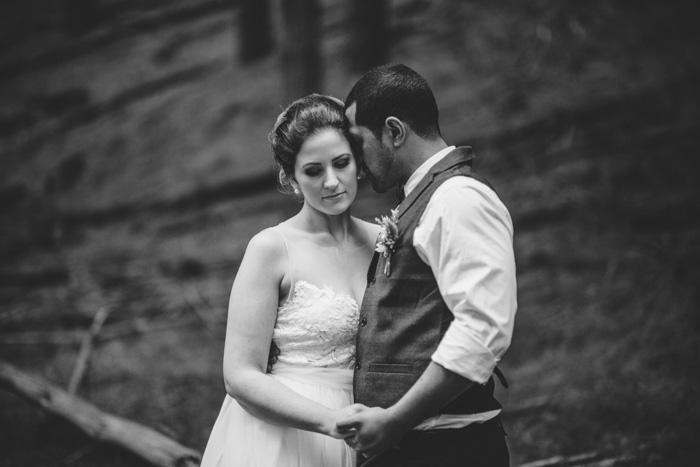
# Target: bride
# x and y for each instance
(294, 307)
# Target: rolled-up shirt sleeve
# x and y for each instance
(466, 236)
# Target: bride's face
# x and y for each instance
(326, 173)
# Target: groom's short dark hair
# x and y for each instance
(395, 91)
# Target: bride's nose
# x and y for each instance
(331, 182)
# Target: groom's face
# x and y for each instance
(375, 156)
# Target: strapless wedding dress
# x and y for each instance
(315, 332)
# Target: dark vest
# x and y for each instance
(403, 316)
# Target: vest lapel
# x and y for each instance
(460, 156)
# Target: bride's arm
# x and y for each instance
(251, 319)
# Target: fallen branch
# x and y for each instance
(578, 459)
(83, 359)
(590, 459)
(141, 440)
(75, 455)
(624, 459)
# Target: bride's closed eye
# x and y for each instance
(313, 171)
(342, 163)
(316, 170)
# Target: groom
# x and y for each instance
(440, 302)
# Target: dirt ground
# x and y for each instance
(135, 168)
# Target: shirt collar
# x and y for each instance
(424, 168)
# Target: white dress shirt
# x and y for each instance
(465, 235)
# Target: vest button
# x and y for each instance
(363, 322)
(358, 366)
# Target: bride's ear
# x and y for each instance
(288, 182)
(395, 130)
(295, 186)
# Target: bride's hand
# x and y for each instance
(341, 414)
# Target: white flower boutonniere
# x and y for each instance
(387, 237)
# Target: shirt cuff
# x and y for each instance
(463, 354)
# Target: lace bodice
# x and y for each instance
(317, 327)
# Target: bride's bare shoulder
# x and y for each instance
(267, 243)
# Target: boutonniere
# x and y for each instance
(387, 237)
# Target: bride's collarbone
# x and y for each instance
(359, 237)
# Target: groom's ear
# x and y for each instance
(396, 130)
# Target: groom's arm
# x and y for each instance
(465, 235)
(379, 429)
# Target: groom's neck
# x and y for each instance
(419, 150)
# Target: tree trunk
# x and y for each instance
(301, 61)
(255, 30)
(145, 442)
(370, 34)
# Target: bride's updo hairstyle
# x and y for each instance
(301, 119)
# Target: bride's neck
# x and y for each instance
(339, 227)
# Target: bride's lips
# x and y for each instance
(334, 196)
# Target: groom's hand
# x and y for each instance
(375, 431)
(343, 414)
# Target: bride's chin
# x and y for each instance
(334, 210)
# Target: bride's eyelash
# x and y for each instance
(313, 172)
(342, 163)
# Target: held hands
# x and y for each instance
(371, 431)
(342, 414)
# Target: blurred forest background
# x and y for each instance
(135, 167)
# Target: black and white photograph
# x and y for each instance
(366, 233)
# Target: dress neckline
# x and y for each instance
(327, 290)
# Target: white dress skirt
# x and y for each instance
(239, 439)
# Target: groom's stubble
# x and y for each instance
(380, 168)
